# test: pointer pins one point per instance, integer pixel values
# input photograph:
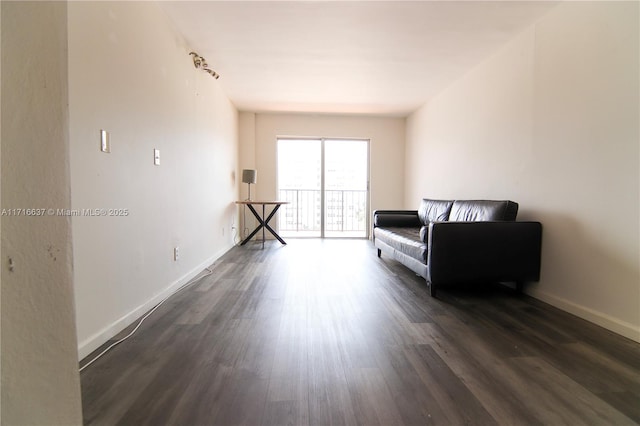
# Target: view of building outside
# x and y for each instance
(345, 188)
(299, 183)
(300, 176)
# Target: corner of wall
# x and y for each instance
(40, 378)
(552, 121)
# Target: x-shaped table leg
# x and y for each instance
(262, 224)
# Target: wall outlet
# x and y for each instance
(176, 254)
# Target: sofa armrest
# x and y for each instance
(484, 251)
(396, 218)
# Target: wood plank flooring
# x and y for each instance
(326, 333)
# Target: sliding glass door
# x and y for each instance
(326, 183)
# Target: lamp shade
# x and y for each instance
(249, 176)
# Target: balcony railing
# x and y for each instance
(346, 214)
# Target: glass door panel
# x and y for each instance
(346, 177)
(299, 183)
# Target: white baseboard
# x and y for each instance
(95, 341)
(610, 323)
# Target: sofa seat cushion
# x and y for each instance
(405, 240)
(483, 211)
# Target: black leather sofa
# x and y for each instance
(461, 241)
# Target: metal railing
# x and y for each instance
(345, 212)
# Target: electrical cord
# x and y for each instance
(193, 281)
(245, 229)
(236, 237)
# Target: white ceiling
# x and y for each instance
(372, 57)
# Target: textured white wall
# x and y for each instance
(131, 74)
(40, 380)
(247, 151)
(386, 148)
(0, 207)
(551, 121)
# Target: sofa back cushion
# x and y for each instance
(434, 210)
(483, 210)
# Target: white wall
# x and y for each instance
(131, 74)
(386, 135)
(551, 121)
(40, 380)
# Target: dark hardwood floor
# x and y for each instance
(324, 332)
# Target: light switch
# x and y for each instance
(156, 157)
(105, 143)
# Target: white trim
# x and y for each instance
(95, 341)
(615, 325)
